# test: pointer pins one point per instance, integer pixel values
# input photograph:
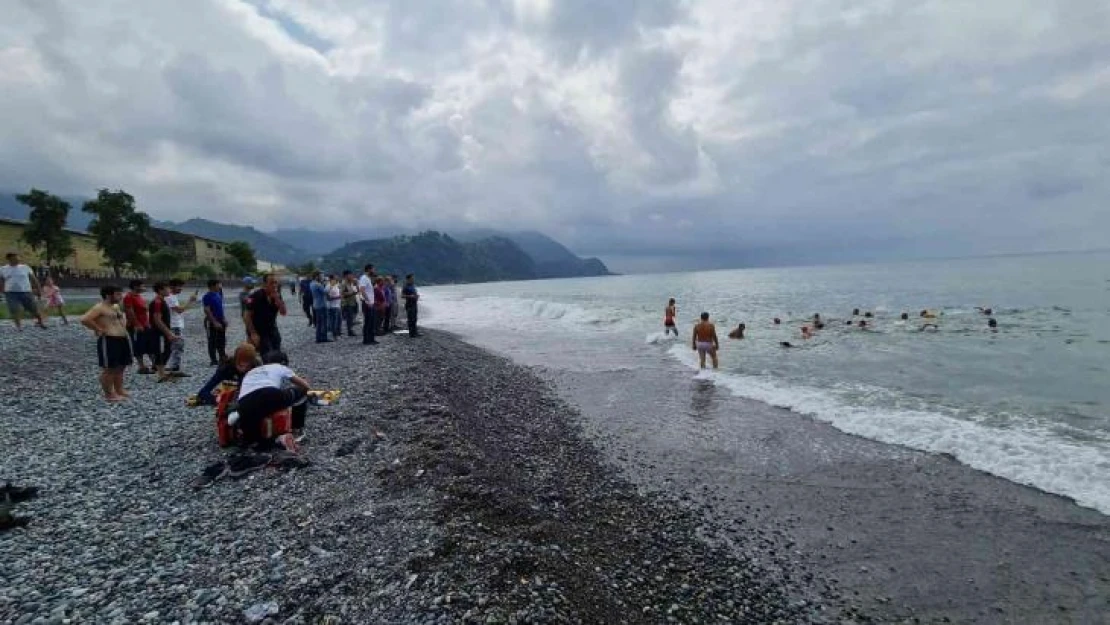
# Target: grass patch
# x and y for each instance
(73, 309)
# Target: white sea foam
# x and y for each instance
(492, 311)
(1028, 455)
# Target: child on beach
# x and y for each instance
(53, 300)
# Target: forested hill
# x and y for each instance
(437, 258)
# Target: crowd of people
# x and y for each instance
(147, 330)
(705, 342)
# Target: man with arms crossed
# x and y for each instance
(113, 347)
(705, 340)
(263, 308)
(20, 289)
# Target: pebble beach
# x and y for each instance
(446, 486)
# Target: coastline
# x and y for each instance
(480, 502)
(911, 536)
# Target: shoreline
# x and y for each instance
(907, 533)
(480, 502)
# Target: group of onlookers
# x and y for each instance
(23, 293)
(332, 301)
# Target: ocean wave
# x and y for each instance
(1027, 455)
(488, 311)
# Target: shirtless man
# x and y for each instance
(668, 319)
(705, 340)
(113, 347)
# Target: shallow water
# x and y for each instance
(1028, 403)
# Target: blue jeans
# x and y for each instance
(321, 315)
(334, 322)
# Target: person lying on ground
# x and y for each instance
(268, 389)
(243, 360)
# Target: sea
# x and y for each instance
(1029, 402)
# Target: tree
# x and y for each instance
(46, 225)
(164, 261)
(240, 259)
(203, 272)
(122, 233)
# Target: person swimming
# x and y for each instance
(777, 321)
(905, 316)
(868, 315)
(992, 323)
(807, 333)
(855, 312)
(986, 311)
(668, 319)
(705, 341)
(863, 324)
(738, 333)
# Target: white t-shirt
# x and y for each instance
(266, 376)
(366, 289)
(16, 279)
(177, 320)
(333, 291)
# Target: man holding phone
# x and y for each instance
(177, 325)
(263, 308)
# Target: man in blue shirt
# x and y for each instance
(319, 294)
(215, 323)
(411, 297)
(306, 298)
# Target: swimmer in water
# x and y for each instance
(863, 324)
(855, 312)
(992, 323)
(668, 319)
(705, 341)
(905, 316)
(807, 333)
(777, 321)
(738, 333)
(986, 311)
(868, 315)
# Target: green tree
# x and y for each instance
(240, 259)
(203, 272)
(164, 261)
(46, 225)
(122, 233)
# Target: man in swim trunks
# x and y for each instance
(705, 340)
(668, 319)
(113, 346)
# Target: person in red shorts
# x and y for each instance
(138, 325)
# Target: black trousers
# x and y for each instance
(385, 320)
(268, 341)
(306, 305)
(266, 401)
(410, 312)
(369, 323)
(350, 313)
(217, 341)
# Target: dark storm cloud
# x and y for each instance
(653, 132)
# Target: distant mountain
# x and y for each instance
(437, 258)
(553, 259)
(321, 242)
(266, 247)
(10, 208)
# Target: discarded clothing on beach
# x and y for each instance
(9, 496)
(240, 465)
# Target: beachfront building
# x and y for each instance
(87, 261)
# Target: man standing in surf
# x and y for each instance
(705, 340)
(668, 319)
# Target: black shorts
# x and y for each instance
(113, 352)
(156, 345)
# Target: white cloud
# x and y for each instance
(768, 122)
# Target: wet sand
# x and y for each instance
(910, 536)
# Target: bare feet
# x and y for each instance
(114, 398)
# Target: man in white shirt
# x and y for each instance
(20, 289)
(177, 326)
(366, 295)
(268, 389)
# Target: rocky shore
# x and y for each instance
(447, 486)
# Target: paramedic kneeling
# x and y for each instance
(268, 389)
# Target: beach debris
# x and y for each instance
(260, 611)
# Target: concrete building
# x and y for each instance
(86, 259)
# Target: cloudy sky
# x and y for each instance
(653, 133)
